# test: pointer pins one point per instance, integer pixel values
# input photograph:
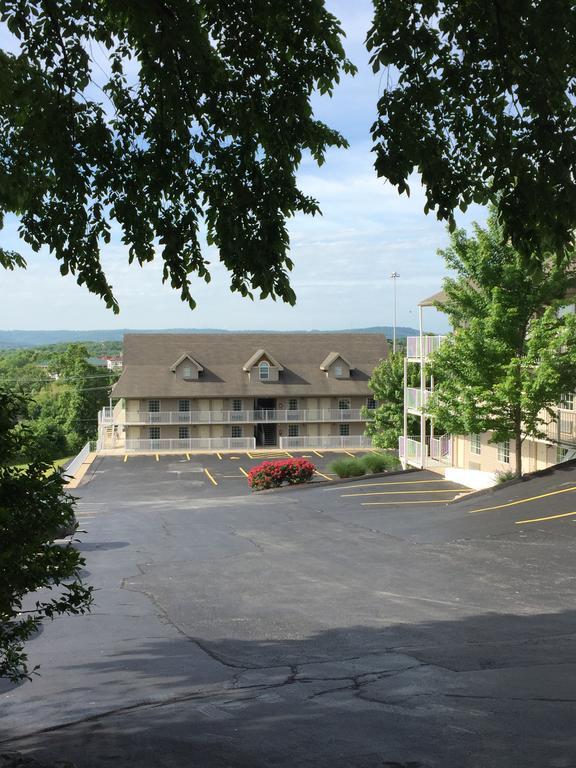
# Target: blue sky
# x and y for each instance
(343, 259)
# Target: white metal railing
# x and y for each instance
(563, 430)
(416, 398)
(193, 444)
(106, 415)
(240, 417)
(441, 448)
(326, 441)
(411, 450)
(77, 461)
(429, 344)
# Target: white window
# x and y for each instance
(184, 406)
(293, 430)
(154, 433)
(338, 371)
(567, 401)
(293, 405)
(343, 405)
(371, 403)
(236, 431)
(236, 405)
(475, 444)
(183, 433)
(187, 372)
(504, 452)
(264, 371)
(344, 430)
(154, 406)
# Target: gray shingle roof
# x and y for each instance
(149, 357)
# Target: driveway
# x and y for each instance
(312, 627)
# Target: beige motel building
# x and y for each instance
(241, 391)
(472, 459)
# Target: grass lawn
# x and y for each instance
(56, 463)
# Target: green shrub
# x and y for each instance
(380, 462)
(348, 468)
(504, 476)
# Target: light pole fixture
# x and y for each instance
(394, 277)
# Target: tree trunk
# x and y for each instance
(518, 438)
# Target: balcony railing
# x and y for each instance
(194, 444)
(339, 441)
(564, 429)
(441, 449)
(429, 344)
(411, 450)
(236, 417)
(415, 398)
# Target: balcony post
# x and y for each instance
(422, 388)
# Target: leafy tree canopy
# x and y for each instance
(513, 353)
(164, 117)
(479, 97)
(385, 423)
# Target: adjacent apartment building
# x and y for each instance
(233, 391)
(473, 459)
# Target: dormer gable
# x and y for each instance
(187, 368)
(336, 366)
(267, 367)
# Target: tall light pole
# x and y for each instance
(394, 277)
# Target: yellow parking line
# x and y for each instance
(541, 519)
(157, 457)
(188, 456)
(395, 493)
(219, 455)
(234, 458)
(324, 476)
(401, 482)
(349, 454)
(318, 454)
(243, 471)
(397, 503)
(125, 457)
(210, 477)
(523, 501)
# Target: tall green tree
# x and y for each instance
(385, 423)
(166, 118)
(479, 97)
(512, 354)
(34, 510)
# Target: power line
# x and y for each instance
(48, 381)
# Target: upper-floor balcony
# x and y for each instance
(416, 399)
(233, 417)
(415, 351)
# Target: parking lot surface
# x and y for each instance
(372, 624)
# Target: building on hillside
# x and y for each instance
(472, 459)
(242, 391)
(113, 362)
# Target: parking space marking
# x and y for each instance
(322, 475)
(219, 455)
(188, 456)
(125, 457)
(397, 503)
(523, 501)
(395, 493)
(402, 482)
(349, 454)
(234, 458)
(542, 519)
(157, 457)
(243, 471)
(214, 482)
(321, 455)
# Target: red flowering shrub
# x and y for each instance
(273, 474)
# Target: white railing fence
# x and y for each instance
(411, 450)
(77, 461)
(234, 417)
(328, 441)
(429, 344)
(441, 448)
(193, 444)
(415, 398)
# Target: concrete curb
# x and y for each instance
(76, 479)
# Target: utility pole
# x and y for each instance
(394, 277)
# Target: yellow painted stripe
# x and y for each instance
(403, 482)
(324, 476)
(234, 458)
(219, 455)
(395, 493)
(541, 519)
(210, 477)
(397, 503)
(524, 501)
(188, 456)
(157, 457)
(349, 454)
(318, 454)
(125, 457)
(243, 471)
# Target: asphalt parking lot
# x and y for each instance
(372, 624)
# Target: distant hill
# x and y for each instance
(23, 339)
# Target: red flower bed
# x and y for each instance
(273, 474)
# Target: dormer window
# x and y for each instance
(338, 371)
(187, 372)
(187, 368)
(264, 371)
